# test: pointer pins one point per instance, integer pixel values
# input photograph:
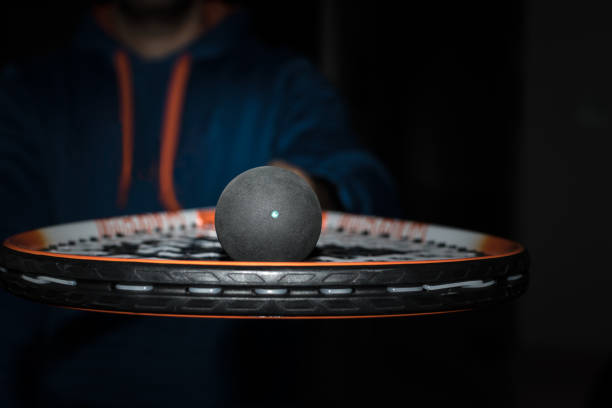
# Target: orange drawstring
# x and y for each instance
(170, 131)
(169, 134)
(126, 115)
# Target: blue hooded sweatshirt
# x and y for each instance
(96, 131)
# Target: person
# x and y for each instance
(155, 106)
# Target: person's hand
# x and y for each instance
(326, 192)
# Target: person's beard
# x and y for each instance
(155, 11)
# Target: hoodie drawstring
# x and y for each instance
(126, 116)
(170, 130)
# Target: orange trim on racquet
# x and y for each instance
(30, 243)
(206, 218)
(11, 244)
(171, 130)
(265, 317)
(494, 245)
(34, 238)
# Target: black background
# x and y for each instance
(492, 116)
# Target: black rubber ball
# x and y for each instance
(268, 214)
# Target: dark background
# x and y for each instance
(492, 116)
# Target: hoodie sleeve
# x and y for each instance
(24, 190)
(23, 205)
(315, 135)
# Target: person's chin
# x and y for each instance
(154, 9)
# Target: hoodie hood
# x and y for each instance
(95, 35)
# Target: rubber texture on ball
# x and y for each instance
(268, 214)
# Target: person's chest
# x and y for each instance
(224, 124)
